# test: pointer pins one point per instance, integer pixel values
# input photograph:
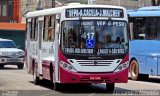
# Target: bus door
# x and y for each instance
(152, 65)
(47, 46)
(40, 31)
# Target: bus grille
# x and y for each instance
(95, 62)
(95, 65)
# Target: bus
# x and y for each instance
(144, 44)
(69, 44)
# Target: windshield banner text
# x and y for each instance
(90, 51)
(94, 12)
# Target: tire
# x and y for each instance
(36, 80)
(110, 87)
(20, 66)
(1, 66)
(57, 86)
(51, 73)
(134, 70)
(144, 76)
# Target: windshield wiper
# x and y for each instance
(106, 24)
(81, 25)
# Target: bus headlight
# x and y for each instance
(122, 66)
(67, 66)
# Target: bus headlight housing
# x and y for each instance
(67, 66)
(122, 66)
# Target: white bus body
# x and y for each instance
(51, 56)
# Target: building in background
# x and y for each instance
(10, 11)
(128, 4)
(32, 5)
(12, 17)
(10, 22)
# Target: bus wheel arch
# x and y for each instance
(134, 69)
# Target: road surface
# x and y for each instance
(14, 82)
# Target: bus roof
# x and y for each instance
(145, 12)
(59, 9)
(43, 12)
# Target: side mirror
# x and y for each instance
(142, 36)
(18, 47)
(57, 29)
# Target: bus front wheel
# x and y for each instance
(134, 70)
(20, 66)
(57, 86)
(110, 87)
(1, 66)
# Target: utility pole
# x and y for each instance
(119, 2)
(153, 2)
(39, 5)
(53, 3)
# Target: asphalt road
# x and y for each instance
(14, 82)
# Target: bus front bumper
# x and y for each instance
(74, 77)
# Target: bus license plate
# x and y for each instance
(95, 78)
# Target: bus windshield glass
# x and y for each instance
(94, 37)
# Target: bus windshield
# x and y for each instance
(94, 37)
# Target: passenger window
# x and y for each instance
(45, 35)
(139, 28)
(158, 28)
(29, 28)
(151, 33)
(49, 28)
(33, 29)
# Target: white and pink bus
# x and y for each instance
(78, 44)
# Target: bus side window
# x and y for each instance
(151, 32)
(45, 34)
(36, 29)
(130, 29)
(28, 29)
(158, 28)
(33, 29)
(139, 28)
(51, 30)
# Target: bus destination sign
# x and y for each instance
(94, 12)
